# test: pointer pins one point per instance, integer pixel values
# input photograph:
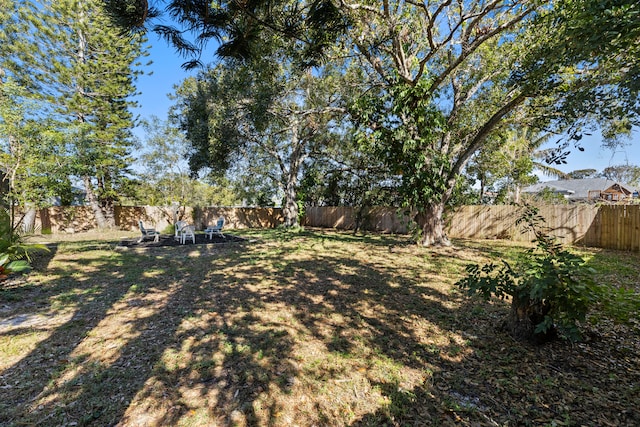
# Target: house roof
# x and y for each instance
(577, 188)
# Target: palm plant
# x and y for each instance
(14, 253)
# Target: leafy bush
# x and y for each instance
(14, 253)
(169, 229)
(7, 266)
(550, 287)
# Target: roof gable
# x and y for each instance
(580, 188)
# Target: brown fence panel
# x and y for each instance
(74, 219)
(381, 219)
(341, 217)
(614, 226)
(157, 217)
(67, 219)
(482, 222)
(619, 227)
(569, 223)
(634, 237)
(201, 217)
(611, 226)
(239, 217)
(385, 220)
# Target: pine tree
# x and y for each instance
(83, 70)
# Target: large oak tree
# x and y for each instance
(440, 78)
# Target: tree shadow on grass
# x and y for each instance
(254, 331)
(503, 382)
(91, 368)
(298, 331)
(88, 301)
(327, 305)
(368, 238)
(197, 342)
(168, 240)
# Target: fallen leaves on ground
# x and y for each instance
(284, 329)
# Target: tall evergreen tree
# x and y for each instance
(83, 69)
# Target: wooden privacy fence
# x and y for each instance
(381, 219)
(607, 226)
(74, 219)
(610, 226)
(616, 227)
(571, 224)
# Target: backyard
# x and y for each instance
(306, 328)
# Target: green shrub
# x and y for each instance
(551, 289)
(169, 229)
(14, 253)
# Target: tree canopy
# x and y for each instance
(165, 173)
(439, 81)
(264, 118)
(30, 155)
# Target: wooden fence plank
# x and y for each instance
(608, 226)
(614, 226)
(636, 230)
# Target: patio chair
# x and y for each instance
(215, 229)
(148, 232)
(179, 225)
(188, 231)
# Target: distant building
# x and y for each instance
(587, 190)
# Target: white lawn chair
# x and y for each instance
(184, 231)
(148, 232)
(188, 232)
(179, 225)
(215, 229)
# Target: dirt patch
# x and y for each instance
(167, 240)
(39, 321)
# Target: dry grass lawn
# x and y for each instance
(316, 328)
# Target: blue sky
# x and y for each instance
(596, 157)
(167, 72)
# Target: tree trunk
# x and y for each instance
(431, 222)
(29, 220)
(109, 212)
(516, 194)
(362, 219)
(296, 158)
(482, 190)
(101, 220)
(525, 315)
(290, 211)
